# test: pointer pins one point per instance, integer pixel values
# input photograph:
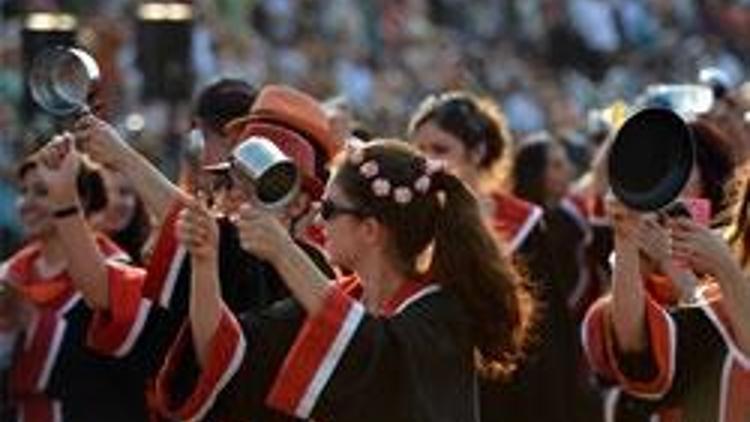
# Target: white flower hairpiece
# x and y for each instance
(422, 185)
(369, 169)
(355, 154)
(402, 195)
(381, 187)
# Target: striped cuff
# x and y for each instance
(166, 261)
(599, 345)
(226, 353)
(315, 354)
(114, 331)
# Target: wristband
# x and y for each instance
(66, 212)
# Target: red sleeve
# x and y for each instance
(114, 331)
(315, 355)
(599, 346)
(597, 211)
(166, 261)
(226, 353)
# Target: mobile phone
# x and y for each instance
(697, 209)
(700, 210)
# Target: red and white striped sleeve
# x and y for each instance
(315, 354)
(225, 357)
(115, 330)
(600, 348)
(166, 261)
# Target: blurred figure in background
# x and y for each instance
(216, 105)
(124, 219)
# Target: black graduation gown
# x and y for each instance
(692, 372)
(414, 363)
(548, 374)
(248, 284)
(62, 367)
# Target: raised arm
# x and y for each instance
(198, 231)
(263, 235)
(102, 142)
(59, 164)
(706, 251)
(628, 291)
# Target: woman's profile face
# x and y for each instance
(340, 227)
(121, 201)
(438, 144)
(558, 173)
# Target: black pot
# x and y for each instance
(651, 159)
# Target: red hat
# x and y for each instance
(293, 146)
(295, 110)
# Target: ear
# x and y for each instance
(299, 205)
(295, 212)
(373, 232)
(476, 154)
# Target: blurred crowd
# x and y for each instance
(520, 98)
(548, 63)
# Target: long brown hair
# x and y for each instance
(466, 258)
(473, 120)
(738, 231)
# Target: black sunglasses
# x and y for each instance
(330, 209)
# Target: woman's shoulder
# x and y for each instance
(19, 263)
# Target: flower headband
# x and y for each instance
(382, 187)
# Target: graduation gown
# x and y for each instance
(570, 235)
(415, 362)
(549, 372)
(63, 368)
(515, 221)
(248, 284)
(693, 370)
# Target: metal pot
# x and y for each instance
(61, 79)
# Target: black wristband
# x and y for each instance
(66, 212)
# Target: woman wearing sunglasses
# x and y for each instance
(432, 304)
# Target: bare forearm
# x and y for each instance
(307, 283)
(86, 265)
(205, 307)
(735, 288)
(628, 300)
(156, 190)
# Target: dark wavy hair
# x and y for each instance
(737, 231)
(466, 258)
(473, 120)
(223, 101)
(528, 167)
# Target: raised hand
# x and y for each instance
(262, 234)
(101, 141)
(653, 240)
(626, 222)
(700, 247)
(198, 231)
(59, 163)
